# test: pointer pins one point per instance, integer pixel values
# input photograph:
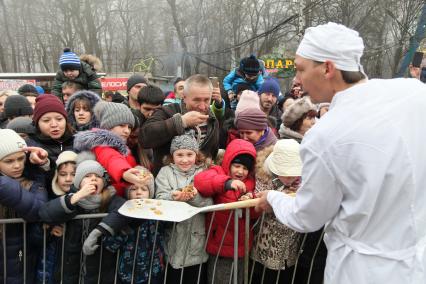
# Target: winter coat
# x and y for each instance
(126, 243)
(110, 151)
(20, 198)
(276, 246)
(211, 183)
(184, 245)
(231, 81)
(312, 246)
(267, 139)
(60, 210)
(53, 148)
(87, 78)
(287, 133)
(166, 123)
(69, 107)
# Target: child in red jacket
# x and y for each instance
(108, 144)
(232, 181)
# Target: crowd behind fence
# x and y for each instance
(241, 270)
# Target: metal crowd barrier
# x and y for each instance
(247, 274)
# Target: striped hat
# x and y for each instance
(69, 60)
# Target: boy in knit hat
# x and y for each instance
(20, 197)
(93, 195)
(233, 180)
(77, 71)
(109, 144)
(249, 72)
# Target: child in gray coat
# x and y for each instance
(185, 242)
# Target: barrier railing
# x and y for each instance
(241, 270)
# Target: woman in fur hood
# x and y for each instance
(80, 107)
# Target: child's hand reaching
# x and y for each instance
(238, 185)
(86, 190)
(57, 231)
(134, 176)
(246, 196)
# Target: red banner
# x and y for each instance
(14, 84)
(114, 84)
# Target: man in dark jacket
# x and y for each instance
(173, 119)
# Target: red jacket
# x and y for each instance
(115, 164)
(211, 183)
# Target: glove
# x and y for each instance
(90, 246)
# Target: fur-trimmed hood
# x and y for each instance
(287, 133)
(93, 61)
(87, 140)
(93, 99)
(262, 174)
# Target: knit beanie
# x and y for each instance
(85, 168)
(185, 141)
(250, 65)
(27, 88)
(151, 187)
(251, 119)
(17, 106)
(296, 110)
(135, 79)
(40, 90)
(47, 103)
(69, 60)
(64, 157)
(21, 124)
(112, 114)
(10, 143)
(270, 86)
(246, 160)
(248, 99)
(242, 87)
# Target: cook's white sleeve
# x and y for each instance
(317, 200)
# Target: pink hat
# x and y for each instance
(248, 99)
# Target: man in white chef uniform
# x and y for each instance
(364, 165)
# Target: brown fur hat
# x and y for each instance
(297, 110)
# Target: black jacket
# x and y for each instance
(158, 131)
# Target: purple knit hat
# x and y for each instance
(251, 119)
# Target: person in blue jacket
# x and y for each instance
(249, 72)
(20, 197)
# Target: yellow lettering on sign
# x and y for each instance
(279, 64)
(288, 62)
(270, 64)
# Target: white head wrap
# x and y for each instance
(335, 42)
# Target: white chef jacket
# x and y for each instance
(364, 178)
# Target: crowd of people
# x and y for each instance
(78, 151)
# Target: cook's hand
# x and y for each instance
(263, 204)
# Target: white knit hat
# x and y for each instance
(64, 157)
(10, 143)
(285, 159)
